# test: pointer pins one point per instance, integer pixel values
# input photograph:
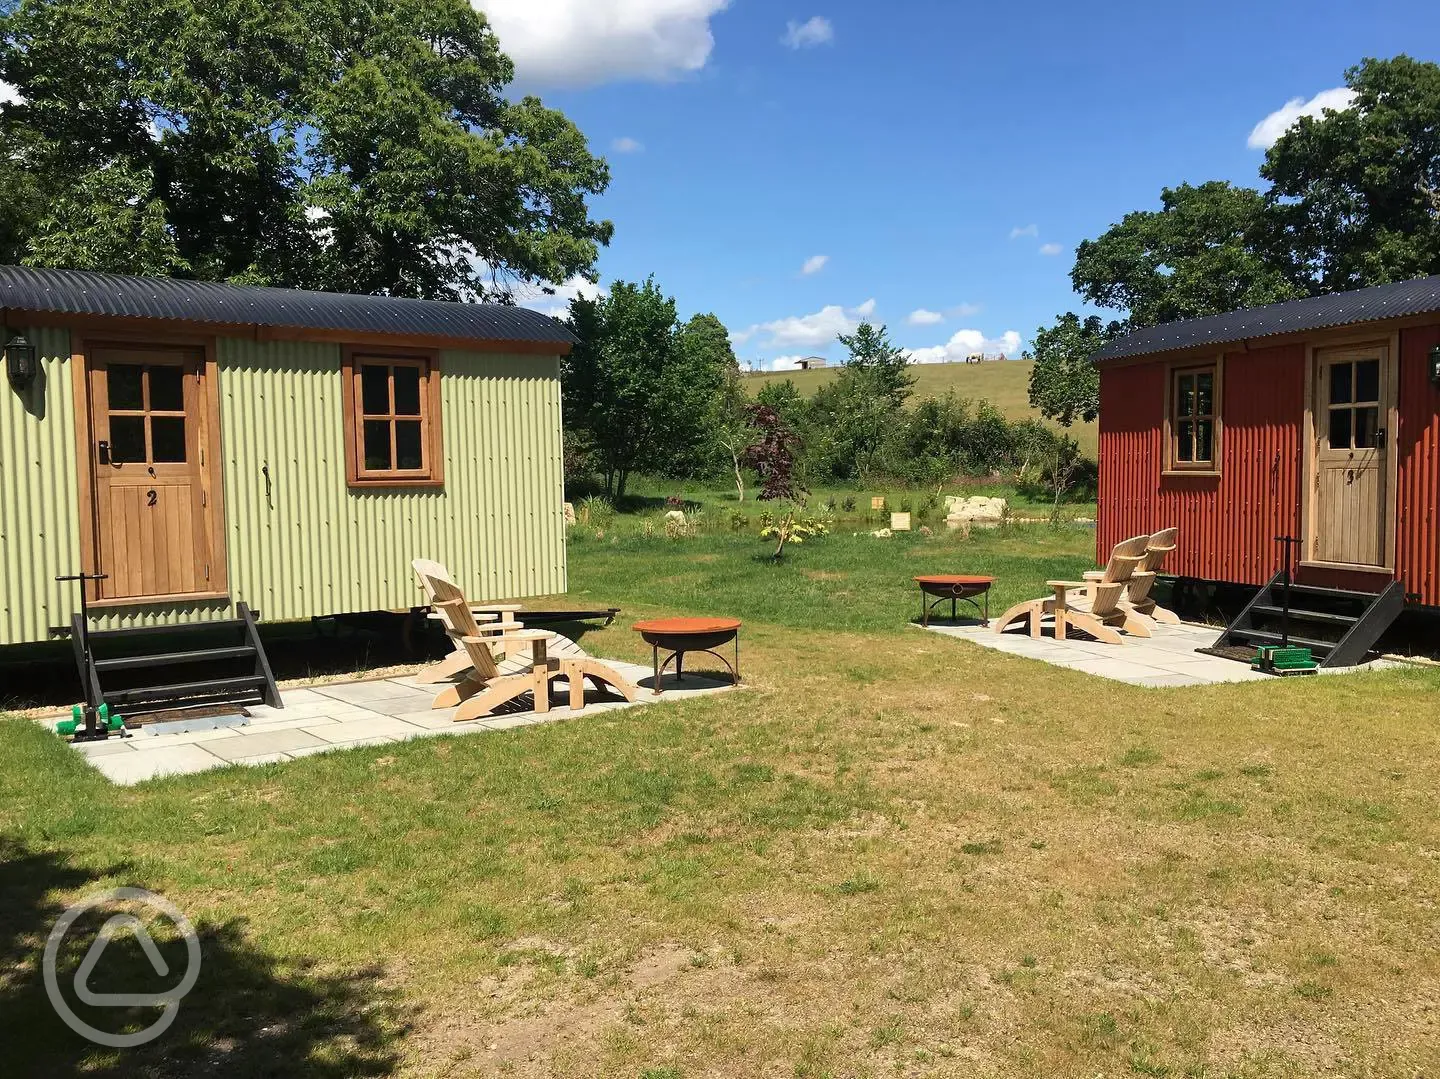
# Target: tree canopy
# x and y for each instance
(1353, 201)
(304, 143)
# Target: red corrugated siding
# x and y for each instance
(1417, 531)
(1228, 524)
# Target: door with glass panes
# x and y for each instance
(151, 503)
(1350, 516)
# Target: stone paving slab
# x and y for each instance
(350, 715)
(1166, 660)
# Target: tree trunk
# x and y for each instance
(620, 484)
(739, 475)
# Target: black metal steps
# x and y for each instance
(1338, 625)
(224, 672)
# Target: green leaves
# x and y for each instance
(1064, 384)
(306, 143)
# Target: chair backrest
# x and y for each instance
(1160, 545)
(1124, 560)
(460, 624)
(426, 569)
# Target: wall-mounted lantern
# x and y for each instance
(19, 362)
(1435, 366)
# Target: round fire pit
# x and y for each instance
(680, 635)
(956, 587)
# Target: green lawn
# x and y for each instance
(1006, 385)
(894, 854)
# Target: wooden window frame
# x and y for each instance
(1173, 373)
(353, 357)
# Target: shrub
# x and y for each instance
(679, 528)
(738, 521)
(595, 510)
(849, 503)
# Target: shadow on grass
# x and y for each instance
(248, 1015)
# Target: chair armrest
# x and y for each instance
(1068, 585)
(1094, 574)
(498, 608)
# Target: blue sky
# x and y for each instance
(915, 157)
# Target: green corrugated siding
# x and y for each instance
(39, 498)
(301, 543)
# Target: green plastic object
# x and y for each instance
(69, 726)
(1273, 659)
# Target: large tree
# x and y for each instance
(1064, 385)
(307, 143)
(1196, 255)
(638, 385)
(1355, 195)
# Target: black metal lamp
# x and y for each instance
(1435, 365)
(19, 362)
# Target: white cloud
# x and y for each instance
(808, 331)
(808, 34)
(626, 145)
(1268, 131)
(586, 42)
(1050, 249)
(784, 363)
(967, 343)
(8, 94)
(923, 317)
(814, 264)
(1024, 230)
(964, 310)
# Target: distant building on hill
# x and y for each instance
(811, 363)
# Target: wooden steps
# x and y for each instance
(1339, 626)
(236, 671)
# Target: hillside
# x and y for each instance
(1006, 385)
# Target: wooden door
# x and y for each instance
(1351, 516)
(148, 421)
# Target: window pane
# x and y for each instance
(1205, 395)
(1340, 383)
(1367, 380)
(127, 438)
(167, 389)
(375, 389)
(377, 445)
(123, 385)
(407, 391)
(167, 438)
(407, 445)
(1367, 420)
(1339, 428)
(1204, 440)
(1185, 395)
(1185, 441)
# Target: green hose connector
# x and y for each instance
(67, 727)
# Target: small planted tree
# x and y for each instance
(772, 456)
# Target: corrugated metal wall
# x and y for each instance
(39, 533)
(300, 543)
(1417, 503)
(1228, 524)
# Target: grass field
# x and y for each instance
(893, 854)
(1006, 385)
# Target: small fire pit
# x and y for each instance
(680, 635)
(955, 587)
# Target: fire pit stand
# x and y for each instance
(956, 588)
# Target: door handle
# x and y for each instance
(104, 451)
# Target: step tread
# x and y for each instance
(1308, 616)
(155, 631)
(161, 659)
(210, 687)
(1269, 637)
(1333, 593)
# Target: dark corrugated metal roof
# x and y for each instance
(1418, 297)
(83, 292)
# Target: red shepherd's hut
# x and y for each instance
(1316, 419)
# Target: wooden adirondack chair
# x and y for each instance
(484, 688)
(493, 620)
(1097, 609)
(1137, 591)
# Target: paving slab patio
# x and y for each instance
(349, 715)
(1167, 660)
